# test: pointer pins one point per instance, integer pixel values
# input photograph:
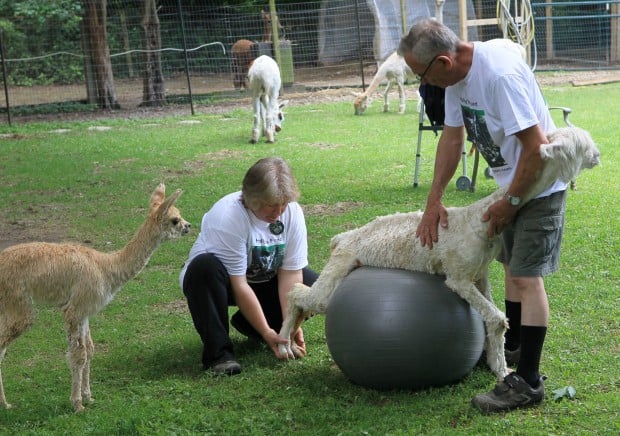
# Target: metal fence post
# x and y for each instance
(4, 79)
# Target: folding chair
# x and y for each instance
(433, 106)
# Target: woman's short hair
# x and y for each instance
(269, 182)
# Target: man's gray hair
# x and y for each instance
(428, 38)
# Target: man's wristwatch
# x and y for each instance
(514, 201)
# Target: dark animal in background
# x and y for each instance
(267, 26)
(243, 53)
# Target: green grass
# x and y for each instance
(93, 186)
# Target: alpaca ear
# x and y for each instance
(547, 151)
(158, 195)
(283, 103)
(171, 200)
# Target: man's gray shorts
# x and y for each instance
(531, 246)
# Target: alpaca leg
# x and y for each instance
(268, 120)
(386, 103)
(484, 286)
(303, 300)
(76, 357)
(495, 322)
(14, 320)
(296, 311)
(3, 403)
(494, 343)
(257, 120)
(402, 96)
(90, 349)
(494, 346)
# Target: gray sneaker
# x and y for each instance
(512, 393)
(512, 357)
(229, 367)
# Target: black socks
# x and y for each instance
(513, 334)
(532, 340)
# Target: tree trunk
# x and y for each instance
(125, 39)
(96, 40)
(153, 84)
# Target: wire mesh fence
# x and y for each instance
(51, 62)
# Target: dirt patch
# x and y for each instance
(178, 307)
(332, 209)
(38, 223)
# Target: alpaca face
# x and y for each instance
(171, 223)
(573, 149)
(279, 118)
(177, 226)
(360, 104)
(592, 156)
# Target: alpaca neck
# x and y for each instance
(374, 83)
(545, 178)
(131, 259)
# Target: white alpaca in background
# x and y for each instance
(463, 252)
(79, 280)
(395, 71)
(265, 82)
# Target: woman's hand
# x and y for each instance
(273, 340)
(299, 341)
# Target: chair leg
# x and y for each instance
(474, 174)
(419, 147)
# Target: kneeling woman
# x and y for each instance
(251, 249)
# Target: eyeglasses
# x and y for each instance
(428, 67)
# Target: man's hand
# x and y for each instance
(499, 216)
(434, 216)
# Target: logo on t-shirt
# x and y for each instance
(478, 134)
(266, 260)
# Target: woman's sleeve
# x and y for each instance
(296, 256)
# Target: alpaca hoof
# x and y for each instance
(285, 352)
(253, 141)
(282, 351)
(297, 352)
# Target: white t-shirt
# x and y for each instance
(245, 245)
(498, 98)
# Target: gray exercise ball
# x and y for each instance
(392, 328)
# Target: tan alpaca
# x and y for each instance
(80, 280)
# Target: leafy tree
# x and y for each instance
(32, 28)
